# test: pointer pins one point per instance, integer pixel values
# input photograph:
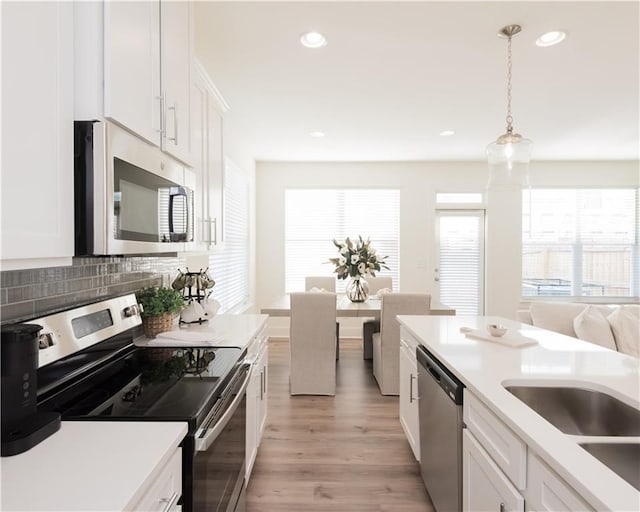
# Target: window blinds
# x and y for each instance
(313, 218)
(461, 261)
(231, 266)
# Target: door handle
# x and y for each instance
(174, 107)
(411, 388)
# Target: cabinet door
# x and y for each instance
(484, 486)
(132, 67)
(176, 53)
(37, 134)
(546, 491)
(262, 408)
(215, 185)
(200, 160)
(408, 400)
(253, 397)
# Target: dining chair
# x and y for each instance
(386, 343)
(373, 325)
(328, 284)
(312, 344)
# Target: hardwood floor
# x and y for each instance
(346, 453)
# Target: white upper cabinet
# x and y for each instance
(132, 95)
(176, 53)
(206, 130)
(37, 134)
(133, 66)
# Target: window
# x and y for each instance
(231, 266)
(580, 242)
(460, 270)
(313, 218)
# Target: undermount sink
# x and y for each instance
(580, 411)
(621, 458)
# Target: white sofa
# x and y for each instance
(611, 326)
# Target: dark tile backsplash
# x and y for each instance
(41, 291)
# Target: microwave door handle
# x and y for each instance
(177, 191)
(203, 443)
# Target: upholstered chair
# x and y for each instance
(328, 284)
(371, 326)
(312, 344)
(386, 343)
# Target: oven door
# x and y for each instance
(219, 460)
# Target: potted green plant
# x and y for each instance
(160, 306)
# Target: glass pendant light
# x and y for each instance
(510, 154)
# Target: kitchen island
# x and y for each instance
(556, 360)
(97, 465)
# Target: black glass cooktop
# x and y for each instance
(137, 383)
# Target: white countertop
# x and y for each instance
(220, 331)
(89, 465)
(484, 367)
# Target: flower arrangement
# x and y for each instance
(357, 260)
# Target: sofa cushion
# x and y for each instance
(592, 326)
(556, 316)
(625, 324)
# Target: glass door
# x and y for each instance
(459, 273)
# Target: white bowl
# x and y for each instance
(496, 330)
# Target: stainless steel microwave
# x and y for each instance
(130, 197)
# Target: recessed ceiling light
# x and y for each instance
(551, 38)
(316, 135)
(447, 133)
(313, 40)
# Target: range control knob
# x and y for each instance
(45, 340)
(132, 310)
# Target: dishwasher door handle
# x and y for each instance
(436, 376)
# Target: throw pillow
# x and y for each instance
(626, 330)
(555, 316)
(592, 326)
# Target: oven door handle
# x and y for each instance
(203, 443)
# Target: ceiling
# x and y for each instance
(395, 74)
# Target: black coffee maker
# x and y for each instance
(23, 426)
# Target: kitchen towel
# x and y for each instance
(189, 337)
(510, 339)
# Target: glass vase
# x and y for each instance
(357, 290)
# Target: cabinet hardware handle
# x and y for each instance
(436, 279)
(169, 501)
(214, 221)
(411, 388)
(502, 509)
(264, 378)
(162, 114)
(261, 384)
(174, 107)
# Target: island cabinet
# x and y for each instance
(165, 490)
(133, 65)
(500, 473)
(493, 461)
(208, 161)
(258, 354)
(409, 413)
(37, 134)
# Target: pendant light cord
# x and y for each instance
(509, 117)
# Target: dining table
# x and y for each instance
(370, 308)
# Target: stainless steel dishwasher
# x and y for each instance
(440, 432)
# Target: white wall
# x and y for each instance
(418, 182)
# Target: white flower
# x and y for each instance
(342, 260)
(354, 259)
(362, 268)
(344, 249)
(372, 251)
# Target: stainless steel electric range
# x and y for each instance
(90, 369)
